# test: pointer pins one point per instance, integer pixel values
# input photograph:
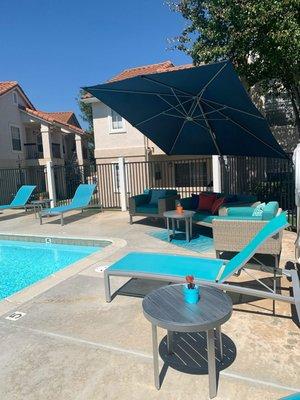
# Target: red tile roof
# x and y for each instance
(63, 118)
(6, 86)
(144, 70)
(66, 118)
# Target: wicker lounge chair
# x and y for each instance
(212, 272)
(81, 200)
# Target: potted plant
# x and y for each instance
(191, 290)
(179, 208)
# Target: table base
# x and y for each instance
(211, 357)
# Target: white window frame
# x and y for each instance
(110, 124)
(11, 138)
(15, 98)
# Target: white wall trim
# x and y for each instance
(11, 125)
(110, 126)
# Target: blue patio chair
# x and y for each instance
(81, 200)
(212, 272)
(21, 198)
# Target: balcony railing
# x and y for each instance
(33, 151)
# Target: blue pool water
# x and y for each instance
(24, 263)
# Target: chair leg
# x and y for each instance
(130, 219)
(107, 287)
(218, 253)
(275, 279)
(61, 219)
(41, 219)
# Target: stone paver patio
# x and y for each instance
(71, 344)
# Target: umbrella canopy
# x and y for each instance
(194, 111)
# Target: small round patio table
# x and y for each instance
(186, 216)
(38, 205)
(165, 307)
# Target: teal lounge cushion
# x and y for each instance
(156, 194)
(147, 209)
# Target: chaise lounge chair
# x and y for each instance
(81, 200)
(21, 198)
(212, 272)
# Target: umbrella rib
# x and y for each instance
(211, 80)
(232, 108)
(249, 132)
(177, 136)
(175, 107)
(166, 85)
(134, 92)
(157, 115)
(179, 102)
(209, 129)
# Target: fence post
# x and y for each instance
(51, 183)
(122, 184)
(216, 172)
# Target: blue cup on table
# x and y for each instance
(191, 296)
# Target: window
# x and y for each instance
(192, 174)
(15, 138)
(117, 123)
(15, 98)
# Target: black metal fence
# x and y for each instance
(267, 178)
(104, 176)
(11, 179)
(187, 176)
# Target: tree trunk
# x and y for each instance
(294, 95)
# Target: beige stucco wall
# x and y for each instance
(130, 144)
(10, 115)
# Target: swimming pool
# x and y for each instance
(23, 263)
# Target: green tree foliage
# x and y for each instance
(86, 111)
(260, 37)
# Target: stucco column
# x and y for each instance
(46, 141)
(79, 152)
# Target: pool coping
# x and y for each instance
(12, 302)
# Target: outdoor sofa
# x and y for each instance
(152, 203)
(232, 231)
(211, 272)
(205, 218)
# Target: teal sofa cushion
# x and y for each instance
(240, 211)
(270, 210)
(156, 194)
(147, 209)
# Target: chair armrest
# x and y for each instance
(136, 201)
(234, 235)
(240, 211)
(167, 203)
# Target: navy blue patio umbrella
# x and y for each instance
(194, 111)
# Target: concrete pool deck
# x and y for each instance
(70, 344)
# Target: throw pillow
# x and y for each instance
(258, 210)
(157, 194)
(206, 201)
(195, 201)
(217, 204)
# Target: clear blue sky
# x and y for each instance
(52, 47)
